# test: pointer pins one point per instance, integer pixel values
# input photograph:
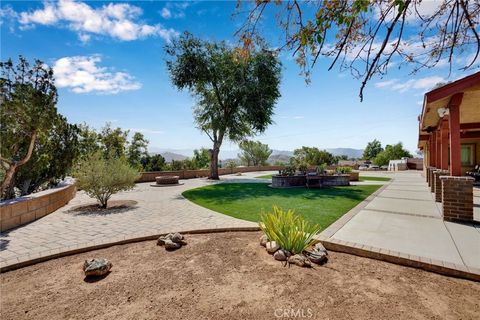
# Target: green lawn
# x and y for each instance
(247, 200)
(366, 178)
(268, 176)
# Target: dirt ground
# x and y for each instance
(229, 276)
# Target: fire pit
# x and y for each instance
(166, 181)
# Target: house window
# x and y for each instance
(467, 152)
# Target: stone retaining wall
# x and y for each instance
(190, 174)
(23, 210)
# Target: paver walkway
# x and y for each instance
(405, 218)
(159, 210)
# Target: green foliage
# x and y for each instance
(290, 231)
(391, 152)
(321, 168)
(114, 141)
(201, 158)
(153, 163)
(372, 149)
(231, 164)
(235, 96)
(53, 158)
(289, 170)
(344, 170)
(28, 97)
(101, 178)
(89, 141)
(137, 148)
(312, 156)
(254, 153)
(303, 167)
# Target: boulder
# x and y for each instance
(177, 238)
(263, 240)
(272, 246)
(173, 237)
(96, 267)
(299, 260)
(170, 245)
(281, 255)
(317, 257)
(320, 248)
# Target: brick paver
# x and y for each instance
(159, 210)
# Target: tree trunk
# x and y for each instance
(13, 166)
(214, 163)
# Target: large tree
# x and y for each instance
(254, 153)
(366, 37)
(137, 148)
(372, 149)
(313, 156)
(28, 97)
(236, 93)
(391, 152)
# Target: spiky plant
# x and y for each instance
(290, 231)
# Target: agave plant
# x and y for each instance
(290, 231)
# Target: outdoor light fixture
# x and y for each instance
(443, 112)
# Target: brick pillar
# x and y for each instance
(457, 198)
(437, 183)
(431, 179)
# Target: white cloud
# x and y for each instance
(298, 117)
(117, 20)
(166, 13)
(402, 86)
(82, 75)
(143, 130)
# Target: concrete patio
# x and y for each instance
(404, 220)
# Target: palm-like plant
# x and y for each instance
(290, 231)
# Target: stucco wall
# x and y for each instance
(23, 210)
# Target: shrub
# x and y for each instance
(290, 231)
(344, 170)
(288, 171)
(303, 167)
(101, 178)
(321, 169)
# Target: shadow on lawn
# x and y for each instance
(225, 193)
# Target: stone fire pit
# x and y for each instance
(166, 181)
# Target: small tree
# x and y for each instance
(101, 178)
(235, 94)
(153, 163)
(201, 158)
(312, 156)
(372, 149)
(254, 153)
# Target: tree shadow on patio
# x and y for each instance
(114, 207)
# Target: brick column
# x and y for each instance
(437, 183)
(457, 198)
(431, 182)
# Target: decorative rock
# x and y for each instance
(299, 260)
(177, 238)
(263, 240)
(96, 267)
(281, 255)
(272, 246)
(320, 248)
(170, 245)
(317, 257)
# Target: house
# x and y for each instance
(449, 135)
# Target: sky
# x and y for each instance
(109, 65)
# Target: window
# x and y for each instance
(467, 152)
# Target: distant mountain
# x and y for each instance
(169, 156)
(351, 153)
(280, 156)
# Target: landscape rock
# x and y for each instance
(320, 248)
(272, 246)
(299, 260)
(281, 255)
(170, 245)
(172, 237)
(177, 238)
(96, 267)
(263, 240)
(317, 257)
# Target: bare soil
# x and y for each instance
(229, 276)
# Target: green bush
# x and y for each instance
(290, 231)
(101, 178)
(288, 171)
(344, 170)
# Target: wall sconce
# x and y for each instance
(443, 112)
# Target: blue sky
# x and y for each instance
(109, 64)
